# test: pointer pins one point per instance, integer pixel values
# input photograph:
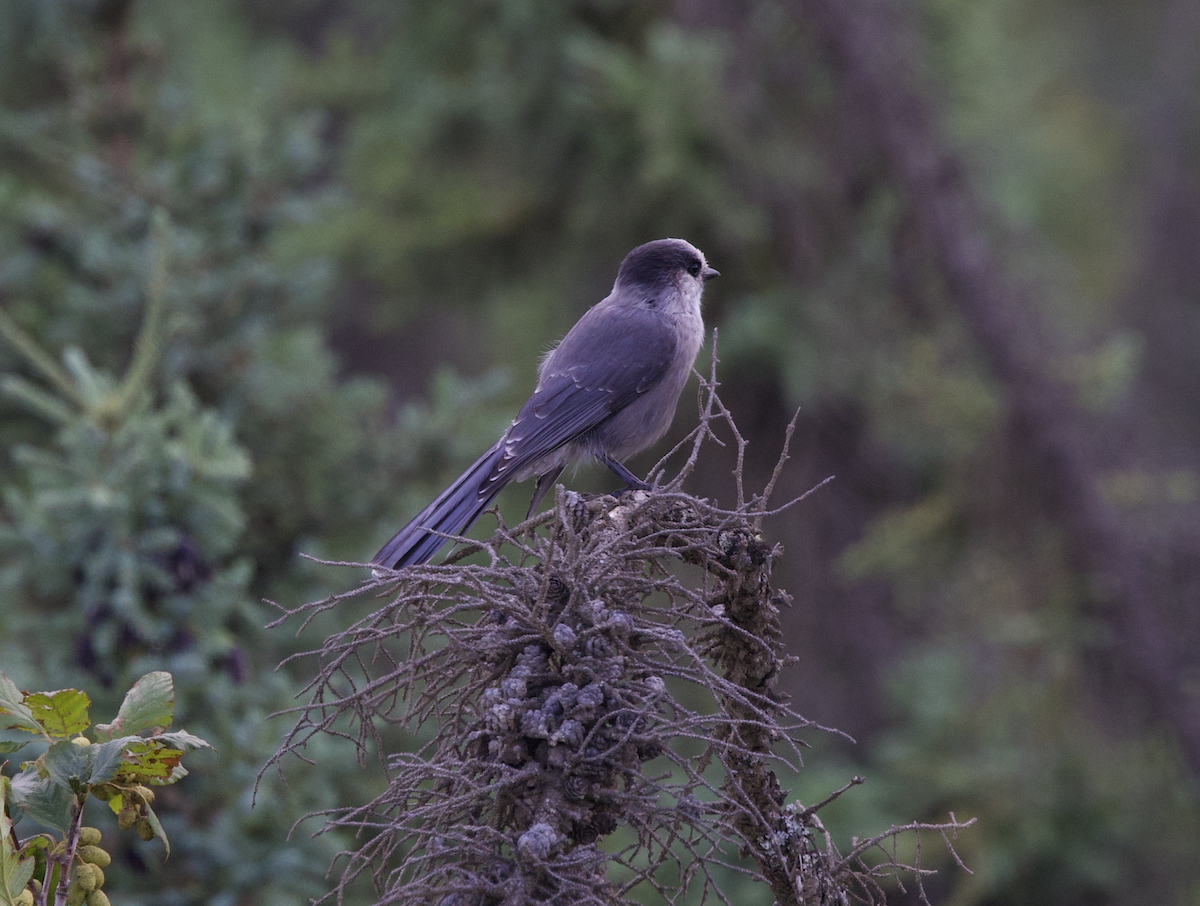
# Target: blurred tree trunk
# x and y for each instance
(1163, 298)
(873, 56)
(1162, 303)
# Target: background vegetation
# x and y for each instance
(271, 273)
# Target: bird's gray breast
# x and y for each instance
(647, 416)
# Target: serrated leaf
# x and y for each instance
(108, 758)
(68, 765)
(146, 760)
(62, 713)
(20, 785)
(43, 800)
(15, 872)
(20, 875)
(177, 774)
(13, 712)
(12, 740)
(149, 704)
(182, 740)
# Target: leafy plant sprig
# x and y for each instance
(117, 763)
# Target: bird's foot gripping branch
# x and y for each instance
(591, 712)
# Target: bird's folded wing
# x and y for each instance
(611, 366)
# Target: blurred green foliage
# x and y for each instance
(354, 193)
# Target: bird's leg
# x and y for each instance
(632, 482)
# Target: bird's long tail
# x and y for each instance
(451, 513)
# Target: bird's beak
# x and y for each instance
(709, 272)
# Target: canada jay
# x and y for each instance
(607, 391)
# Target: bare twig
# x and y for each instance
(783, 458)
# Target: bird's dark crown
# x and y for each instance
(658, 261)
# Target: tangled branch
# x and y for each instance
(593, 712)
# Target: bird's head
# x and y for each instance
(664, 264)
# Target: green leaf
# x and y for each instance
(68, 765)
(12, 740)
(62, 713)
(157, 760)
(108, 758)
(149, 704)
(43, 800)
(182, 740)
(149, 761)
(14, 882)
(15, 872)
(13, 713)
(158, 830)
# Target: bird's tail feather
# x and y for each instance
(452, 512)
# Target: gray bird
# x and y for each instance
(607, 391)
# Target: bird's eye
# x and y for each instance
(694, 268)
